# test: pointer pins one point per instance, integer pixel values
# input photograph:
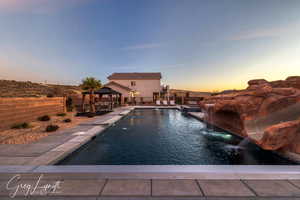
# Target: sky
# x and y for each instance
(202, 45)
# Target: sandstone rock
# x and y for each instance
(261, 100)
(290, 82)
(280, 135)
(257, 82)
(293, 78)
(284, 91)
(263, 90)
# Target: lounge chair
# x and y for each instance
(165, 102)
(172, 102)
(157, 102)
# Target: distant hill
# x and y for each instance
(11, 88)
(191, 93)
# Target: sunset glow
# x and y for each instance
(197, 45)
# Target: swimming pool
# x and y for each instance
(168, 137)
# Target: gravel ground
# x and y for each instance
(37, 130)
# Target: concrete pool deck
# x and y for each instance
(136, 181)
(56, 146)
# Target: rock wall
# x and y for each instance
(267, 112)
(19, 110)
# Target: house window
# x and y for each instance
(133, 83)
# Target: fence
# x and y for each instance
(19, 110)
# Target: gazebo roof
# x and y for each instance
(103, 90)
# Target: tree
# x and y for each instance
(91, 84)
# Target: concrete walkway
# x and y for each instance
(56, 146)
(89, 186)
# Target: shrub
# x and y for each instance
(50, 95)
(44, 118)
(90, 115)
(68, 120)
(51, 128)
(61, 114)
(21, 125)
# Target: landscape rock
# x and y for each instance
(257, 82)
(261, 100)
(281, 135)
(289, 82)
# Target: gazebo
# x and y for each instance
(104, 91)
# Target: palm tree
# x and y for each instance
(91, 84)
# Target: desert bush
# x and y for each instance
(61, 114)
(51, 128)
(50, 95)
(90, 115)
(44, 118)
(21, 125)
(67, 120)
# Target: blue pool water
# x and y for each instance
(168, 137)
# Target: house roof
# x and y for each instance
(135, 76)
(118, 85)
(103, 90)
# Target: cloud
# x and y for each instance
(143, 46)
(37, 6)
(262, 33)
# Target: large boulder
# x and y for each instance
(284, 91)
(263, 90)
(293, 79)
(289, 82)
(257, 82)
(280, 135)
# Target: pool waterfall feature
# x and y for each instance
(208, 117)
(168, 137)
(228, 120)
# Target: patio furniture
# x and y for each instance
(165, 102)
(172, 102)
(157, 102)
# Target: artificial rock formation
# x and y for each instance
(260, 110)
(282, 135)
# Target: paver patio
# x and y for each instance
(127, 188)
(278, 188)
(175, 188)
(231, 188)
(159, 189)
(75, 188)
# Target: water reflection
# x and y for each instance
(167, 137)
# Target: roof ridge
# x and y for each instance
(135, 75)
(118, 84)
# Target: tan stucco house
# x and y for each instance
(138, 87)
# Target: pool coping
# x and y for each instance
(43, 163)
(205, 172)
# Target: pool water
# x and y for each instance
(168, 137)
